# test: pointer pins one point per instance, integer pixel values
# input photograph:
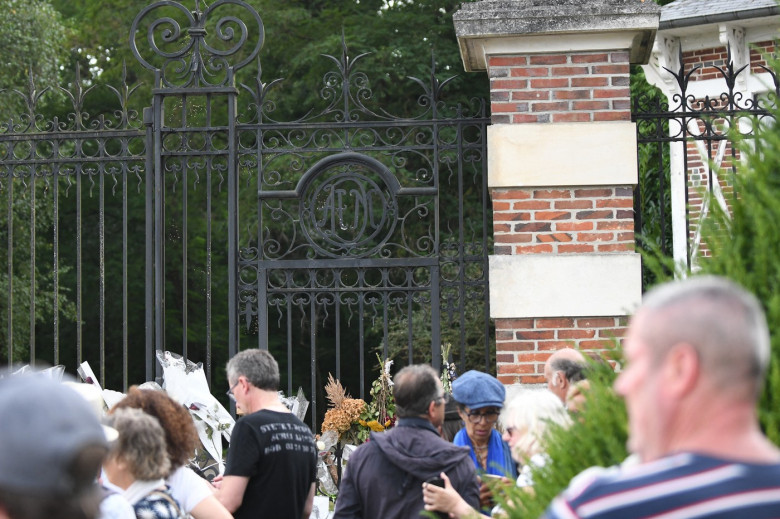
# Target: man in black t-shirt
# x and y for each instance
(272, 461)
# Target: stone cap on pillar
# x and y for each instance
(489, 27)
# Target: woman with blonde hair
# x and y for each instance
(525, 421)
(138, 465)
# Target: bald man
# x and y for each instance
(563, 369)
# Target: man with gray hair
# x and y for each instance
(697, 353)
(272, 461)
(384, 476)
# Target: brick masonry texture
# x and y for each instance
(576, 87)
(524, 345)
(759, 51)
(567, 220)
(708, 59)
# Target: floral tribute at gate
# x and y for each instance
(349, 422)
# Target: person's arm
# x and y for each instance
(210, 508)
(309, 502)
(231, 492)
(467, 484)
(446, 499)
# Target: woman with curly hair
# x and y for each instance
(193, 492)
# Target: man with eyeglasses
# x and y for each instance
(384, 476)
(272, 461)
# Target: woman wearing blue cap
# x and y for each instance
(480, 398)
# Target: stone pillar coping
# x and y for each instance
(478, 25)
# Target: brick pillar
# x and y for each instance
(561, 170)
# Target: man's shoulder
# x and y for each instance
(418, 438)
(674, 482)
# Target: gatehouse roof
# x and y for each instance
(685, 13)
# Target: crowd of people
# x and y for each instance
(696, 351)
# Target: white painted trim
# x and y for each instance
(763, 32)
(698, 37)
(678, 186)
(562, 154)
(550, 285)
(760, 83)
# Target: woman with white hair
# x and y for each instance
(525, 422)
(138, 464)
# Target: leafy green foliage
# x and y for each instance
(31, 214)
(31, 45)
(597, 437)
(745, 246)
(399, 39)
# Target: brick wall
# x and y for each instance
(524, 345)
(707, 59)
(711, 57)
(563, 221)
(758, 53)
(577, 87)
(582, 87)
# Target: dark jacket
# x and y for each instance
(383, 478)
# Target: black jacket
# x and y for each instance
(383, 477)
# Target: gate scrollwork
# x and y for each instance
(181, 50)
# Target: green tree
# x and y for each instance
(31, 51)
(31, 46)
(31, 278)
(745, 245)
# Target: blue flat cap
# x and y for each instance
(475, 390)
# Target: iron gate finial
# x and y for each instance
(183, 53)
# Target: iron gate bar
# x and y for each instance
(10, 273)
(150, 287)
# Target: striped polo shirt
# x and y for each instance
(680, 486)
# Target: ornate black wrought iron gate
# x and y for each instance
(691, 136)
(331, 238)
